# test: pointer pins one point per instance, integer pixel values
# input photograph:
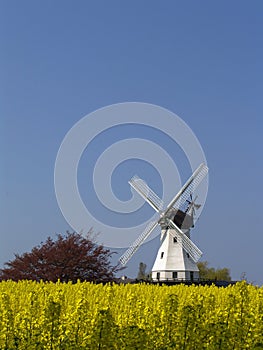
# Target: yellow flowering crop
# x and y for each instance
(60, 316)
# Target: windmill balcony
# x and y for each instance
(175, 276)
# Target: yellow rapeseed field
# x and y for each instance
(89, 316)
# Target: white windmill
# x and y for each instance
(177, 255)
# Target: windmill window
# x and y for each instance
(187, 254)
(162, 254)
(191, 275)
(175, 239)
(174, 274)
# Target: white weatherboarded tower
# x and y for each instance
(177, 255)
(172, 261)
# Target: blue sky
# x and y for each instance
(201, 60)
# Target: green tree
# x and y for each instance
(142, 274)
(210, 273)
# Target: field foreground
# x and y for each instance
(88, 316)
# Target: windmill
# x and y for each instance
(177, 255)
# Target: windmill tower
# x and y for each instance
(177, 256)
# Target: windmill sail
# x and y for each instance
(165, 217)
(189, 187)
(137, 243)
(147, 193)
(189, 246)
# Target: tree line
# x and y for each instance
(205, 272)
(73, 257)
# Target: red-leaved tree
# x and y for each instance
(70, 257)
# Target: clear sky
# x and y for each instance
(201, 60)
